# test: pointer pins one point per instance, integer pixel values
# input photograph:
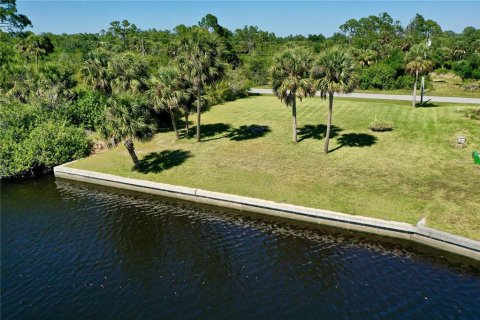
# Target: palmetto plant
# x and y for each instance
(126, 119)
(334, 72)
(35, 45)
(168, 93)
(199, 59)
(416, 63)
(291, 79)
(128, 72)
(95, 71)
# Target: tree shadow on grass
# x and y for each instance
(245, 132)
(211, 130)
(222, 130)
(156, 162)
(317, 132)
(427, 105)
(355, 140)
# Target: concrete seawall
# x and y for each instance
(427, 236)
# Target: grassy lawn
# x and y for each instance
(411, 172)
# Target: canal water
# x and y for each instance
(77, 251)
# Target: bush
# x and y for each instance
(86, 111)
(405, 82)
(468, 68)
(52, 144)
(233, 86)
(473, 114)
(381, 125)
(377, 77)
(30, 145)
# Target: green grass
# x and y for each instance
(411, 172)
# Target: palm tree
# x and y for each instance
(126, 119)
(199, 59)
(417, 64)
(34, 45)
(129, 73)
(168, 94)
(291, 79)
(335, 72)
(95, 71)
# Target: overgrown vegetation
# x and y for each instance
(473, 114)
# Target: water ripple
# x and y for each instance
(75, 250)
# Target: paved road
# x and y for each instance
(390, 97)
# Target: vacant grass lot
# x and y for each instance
(411, 172)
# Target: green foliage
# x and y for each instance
(469, 68)
(381, 125)
(386, 75)
(126, 117)
(473, 114)
(335, 71)
(379, 76)
(128, 72)
(35, 46)
(10, 19)
(290, 75)
(52, 144)
(31, 144)
(86, 111)
(233, 86)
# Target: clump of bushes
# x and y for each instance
(381, 125)
(473, 114)
(31, 143)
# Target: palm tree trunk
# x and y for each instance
(329, 122)
(172, 117)
(199, 107)
(422, 89)
(294, 119)
(187, 127)
(414, 102)
(131, 150)
(36, 59)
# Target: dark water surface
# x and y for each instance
(76, 251)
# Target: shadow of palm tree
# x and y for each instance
(355, 140)
(245, 132)
(317, 132)
(213, 129)
(158, 161)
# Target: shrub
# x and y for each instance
(404, 82)
(473, 114)
(86, 111)
(468, 68)
(381, 125)
(52, 144)
(379, 76)
(30, 144)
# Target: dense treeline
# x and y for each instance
(123, 83)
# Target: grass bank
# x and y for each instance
(406, 174)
